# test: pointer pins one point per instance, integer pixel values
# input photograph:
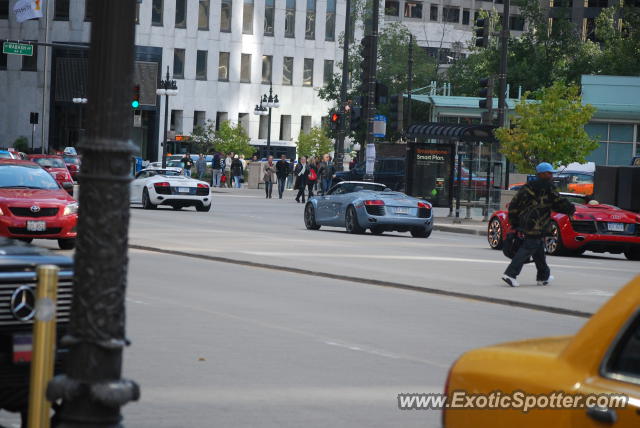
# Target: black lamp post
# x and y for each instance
(168, 88)
(267, 103)
(92, 390)
(79, 101)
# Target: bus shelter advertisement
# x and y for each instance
(430, 172)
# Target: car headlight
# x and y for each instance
(71, 208)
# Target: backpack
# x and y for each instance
(312, 175)
(511, 244)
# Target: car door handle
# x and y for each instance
(602, 414)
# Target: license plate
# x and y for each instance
(402, 210)
(615, 227)
(22, 347)
(183, 190)
(36, 226)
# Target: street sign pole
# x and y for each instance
(371, 88)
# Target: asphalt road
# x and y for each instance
(217, 343)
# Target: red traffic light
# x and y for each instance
(335, 117)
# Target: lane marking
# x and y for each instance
(601, 293)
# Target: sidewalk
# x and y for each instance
(442, 221)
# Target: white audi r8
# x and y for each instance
(153, 187)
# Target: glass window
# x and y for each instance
(619, 153)
(156, 13)
(245, 68)
(267, 63)
(451, 14)
(625, 358)
(287, 71)
(225, 16)
(285, 128)
(392, 8)
(328, 72)
(247, 17)
(30, 63)
(203, 15)
(620, 133)
(598, 3)
(599, 155)
(199, 118)
(290, 19)
(597, 131)
(89, 13)
(307, 79)
(516, 23)
(465, 17)
(223, 67)
(181, 13)
(413, 9)
(4, 9)
(201, 65)
(178, 63)
(330, 21)
(310, 26)
(269, 15)
(433, 12)
(61, 10)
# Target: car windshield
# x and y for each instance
(72, 160)
(50, 162)
(5, 155)
(169, 173)
(577, 199)
(174, 163)
(356, 187)
(25, 176)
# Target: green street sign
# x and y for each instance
(13, 48)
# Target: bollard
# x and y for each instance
(44, 343)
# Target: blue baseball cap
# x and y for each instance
(544, 167)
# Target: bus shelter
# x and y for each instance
(452, 165)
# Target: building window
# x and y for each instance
(305, 124)
(269, 16)
(263, 127)
(181, 13)
(199, 118)
(465, 17)
(221, 117)
(156, 13)
(451, 14)
(307, 77)
(201, 65)
(223, 67)
(203, 15)
(433, 13)
(267, 63)
(287, 71)
(516, 23)
(243, 120)
(176, 121)
(330, 22)
(89, 7)
(310, 25)
(566, 3)
(225, 16)
(616, 143)
(61, 11)
(4, 9)
(328, 72)
(247, 17)
(285, 128)
(30, 63)
(290, 19)
(178, 63)
(392, 8)
(598, 3)
(413, 9)
(245, 68)
(3, 61)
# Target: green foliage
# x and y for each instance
(21, 144)
(620, 54)
(316, 143)
(551, 130)
(233, 138)
(204, 136)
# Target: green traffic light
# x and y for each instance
(135, 103)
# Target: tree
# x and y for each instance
(620, 41)
(315, 143)
(233, 138)
(551, 130)
(204, 136)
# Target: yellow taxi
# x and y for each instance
(588, 380)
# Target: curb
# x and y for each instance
(455, 229)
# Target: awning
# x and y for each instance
(448, 131)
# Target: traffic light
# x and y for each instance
(396, 113)
(482, 33)
(382, 93)
(135, 103)
(334, 120)
(486, 93)
(355, 121)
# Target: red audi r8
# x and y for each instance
(33, 205)
(594, 227)
(55, 166)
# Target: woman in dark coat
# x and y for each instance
(236, 171)
(301, 173)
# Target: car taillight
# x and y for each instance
(374, 202)
(424, 205)
(203, 186)
(162, 184)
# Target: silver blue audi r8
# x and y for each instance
(359, 206)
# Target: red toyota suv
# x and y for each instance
(33, 205)
(55, 166)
